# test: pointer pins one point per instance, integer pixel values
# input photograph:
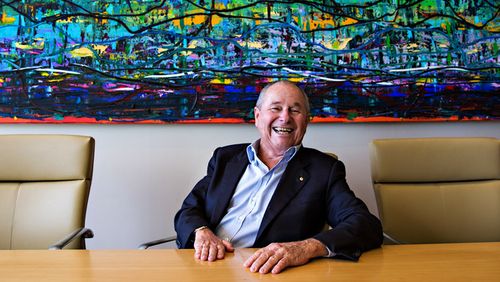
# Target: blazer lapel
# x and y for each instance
(293, 179)
(235, 168)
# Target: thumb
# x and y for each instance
(229, 247)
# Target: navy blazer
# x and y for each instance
(312, 191)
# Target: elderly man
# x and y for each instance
(277, 195)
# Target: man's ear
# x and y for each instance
(256, 114)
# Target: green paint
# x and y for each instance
(352, 115)
(58, 116)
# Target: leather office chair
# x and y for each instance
(149, 244)
(436, 190)
(44, 187)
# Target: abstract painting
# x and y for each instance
(205, 61)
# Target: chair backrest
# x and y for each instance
(44, 188)
(435, 190)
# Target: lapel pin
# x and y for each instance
(301, 179)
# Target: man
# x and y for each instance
(276, 195)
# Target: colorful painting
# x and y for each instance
(205, 61)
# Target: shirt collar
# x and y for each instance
(252, 152)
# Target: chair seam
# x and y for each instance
(14, 215)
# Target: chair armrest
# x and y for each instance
(388, 240)
(80, 232)
(157, 242)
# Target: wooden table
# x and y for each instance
(422, 263)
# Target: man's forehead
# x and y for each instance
(280, 102)
(280, 90)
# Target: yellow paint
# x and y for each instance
(177, 23)
(472, 51)
(493, 28)
(358, 79)
(53, 75)
(296, 79)
(116, 56)
(216, 20)
(6, 19)
(161, 50)
(422, 81)
(38, 44)
(413, 46)
(256, 16)
(186, 53)
(349, 21)
(221, 81)
(319, 20)
(252, 44)
(66, 20)
(82, 52)
(88, 52)
(100, 48)
(56, 79)
(198, 19)
(193, 44)
(102, 21)
(339, 44)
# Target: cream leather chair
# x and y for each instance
(44, 187)
(435, 190)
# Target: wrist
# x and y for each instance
(200, 228)
(317, 249)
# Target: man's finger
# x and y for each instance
(251, 259)
(229, 247)
(204, 252)
(269, 264)
(259, 262)
(212, 252)
(282, 264)
(221, 251)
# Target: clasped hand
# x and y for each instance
(274, 258)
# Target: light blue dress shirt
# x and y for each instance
(251, 198)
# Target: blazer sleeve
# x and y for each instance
(192, 212)
(354, 228)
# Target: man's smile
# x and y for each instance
(282, 130)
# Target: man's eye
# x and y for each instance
(275, 109)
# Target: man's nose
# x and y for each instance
(285, 115)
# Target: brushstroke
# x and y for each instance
(205, 61)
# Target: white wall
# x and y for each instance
(143, 172)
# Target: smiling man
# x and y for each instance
(276, 195)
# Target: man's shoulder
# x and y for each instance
(317, 155)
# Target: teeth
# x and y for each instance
(282, 129)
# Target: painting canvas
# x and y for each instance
(205, 61)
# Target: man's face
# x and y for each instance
(282, 117)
